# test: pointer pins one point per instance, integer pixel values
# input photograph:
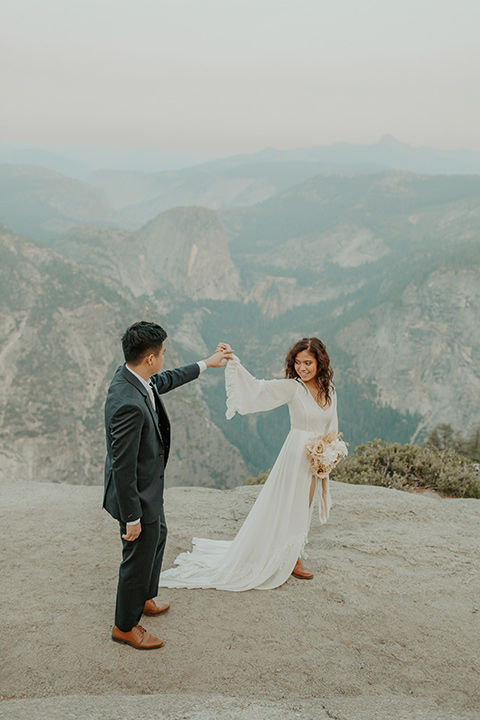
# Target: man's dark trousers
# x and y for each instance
(139, 572)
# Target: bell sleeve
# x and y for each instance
(246, 394)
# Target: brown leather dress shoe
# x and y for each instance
(137, 637)
(151, 607)
(300, 572)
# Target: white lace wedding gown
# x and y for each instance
(266, 548)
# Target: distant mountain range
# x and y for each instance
(384, 266)
(134, 196)
(43, 204)
(78, 161)
(249, 179)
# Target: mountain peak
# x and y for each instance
(389, 140)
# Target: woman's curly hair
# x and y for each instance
(324, 376)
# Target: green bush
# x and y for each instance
(410, 467)
(444, 437)
(259, 480)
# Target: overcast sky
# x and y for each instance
(225, 76)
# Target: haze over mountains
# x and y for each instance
(123, 194)
(79, 161)
(257, 250)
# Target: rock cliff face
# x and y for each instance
(423, 353)
(277, 295)
(59, 330)
(114, 253)
(187, 247)
(182, 253)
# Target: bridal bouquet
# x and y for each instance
(324, 452)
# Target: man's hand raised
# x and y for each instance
(220, 358)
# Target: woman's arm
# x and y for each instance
(246, 394)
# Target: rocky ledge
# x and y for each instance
(388, 627)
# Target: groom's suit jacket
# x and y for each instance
(138, 443)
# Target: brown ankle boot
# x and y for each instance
(300, 572)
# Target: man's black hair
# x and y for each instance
(141, 339)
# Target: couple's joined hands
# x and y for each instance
(223, 353)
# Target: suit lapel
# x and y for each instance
(153, 414)
(164, 422)
(142, 390)
(162, 413)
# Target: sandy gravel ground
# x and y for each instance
(388, 628)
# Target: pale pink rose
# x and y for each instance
(324, 452)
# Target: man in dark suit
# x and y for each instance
(138, 443)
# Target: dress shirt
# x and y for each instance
(202, 366)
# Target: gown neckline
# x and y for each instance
(316, 403)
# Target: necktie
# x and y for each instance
(152, 397)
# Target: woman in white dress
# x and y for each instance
(268, 546)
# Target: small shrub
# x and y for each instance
(410, 467)
(259, 480)
(444, 437)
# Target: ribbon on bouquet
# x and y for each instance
(323, 508)
(324, 452)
